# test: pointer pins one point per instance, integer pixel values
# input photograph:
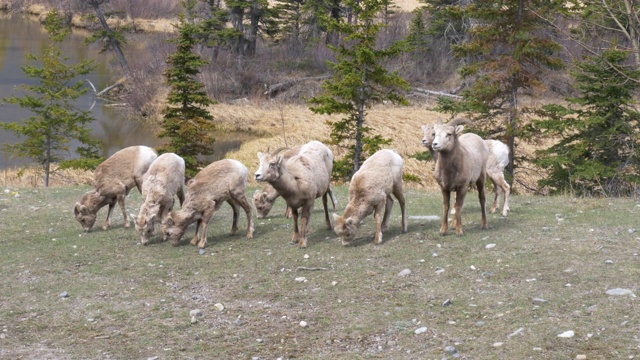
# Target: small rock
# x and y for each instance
(195, 313)
(194, 320)
(608, 262)
(306, 256)
(301, 279)
(538, 301)
(479, 323)
(64, 294)
(490, 246)
(303, 323)
(260, 341)
(567, 334)
(219, 306)
(421, 330)
(153, 358)
(497, 344)
(620, 292)
(201, 251)
(334, 283)
(446, 303)
(581, 357)
(404, 273)
(450, 349)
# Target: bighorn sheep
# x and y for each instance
(462, 160)
(299, 180)
(162, 182)
(112, 181)
(264, 199)
(496, 162)
(370, 191)
(220, 181)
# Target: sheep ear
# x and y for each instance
(423, 128)
(336, 217)
(279, 159)
(459, 129)
(151, 218)
(76, 209)
(191, 182)
(350, 221)
(133, 218)
(439, 122)
(264, 196)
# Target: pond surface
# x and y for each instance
(22, 35)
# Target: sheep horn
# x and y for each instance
(459, 121)
(276, 151)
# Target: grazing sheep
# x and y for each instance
(112, 181)
(496, 163)
(462, 160)
(370, 191)
(299, 180)
(162, 182)
(220, 181)
(264, 199)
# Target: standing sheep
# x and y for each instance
(462, 160)
(220, 181)
(370, 191)
(264, 199)
(162, 182)
(112, 181)
(496, 162)
(299, 180)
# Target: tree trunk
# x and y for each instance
(111, 37)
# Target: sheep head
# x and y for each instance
(427, 138)
(346, 229)
(144, 226)
(172, 231)
(444, 137)
(269, 168)
(84, 210)
(262, 203)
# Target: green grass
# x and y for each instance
(128, 301)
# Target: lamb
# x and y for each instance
(264, 199)
(112, 181)
(370, 191)
(496, 163)
(162, 182)
(220, 181)
(299, 180)
(462, 160)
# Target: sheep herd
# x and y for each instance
(299, 175)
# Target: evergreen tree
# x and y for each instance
(598, 151)
(56, 120)
(359, 81)
(110, 38)
(505, 54)
(187, 123)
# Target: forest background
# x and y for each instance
(513, 67)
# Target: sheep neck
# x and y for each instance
(448, 166)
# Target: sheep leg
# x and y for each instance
(124, 210)
(234, 223)
(379, 224)
(399, 194)
(244, 203)
(496, 191)
(481, 196)
(506, 189)
(107, 221)
(457, 220)
(387, 212)
(446, 198)
(194, 240)
(326, 210)
(180, 194)
(296, 233)
(304, 224)
(206, 216)
(287, 213)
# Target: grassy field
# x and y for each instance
(502, 293)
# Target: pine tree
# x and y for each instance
(187, 123)
(598, 152)
(359, 81)
(505, 53)
(56, 120)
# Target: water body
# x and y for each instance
(22, 35)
